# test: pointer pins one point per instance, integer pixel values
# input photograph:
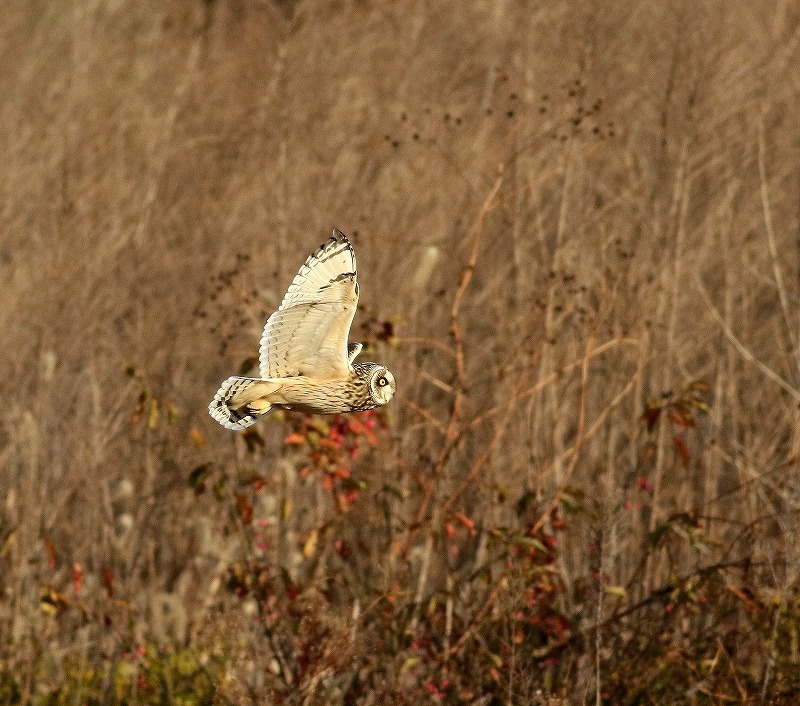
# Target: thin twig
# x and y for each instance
(773, 250)
(508, 407)
(743, 350)
(576, 447)
(499, 431)
(167, 129)
(466, 278)
(432, 379)
(592, 430)
(285, 673)
(533, 389)
(429, 342)
(424, 413)
(448, 619)
(499, 586)
(451, 431)
(654, 596)
(423, 579)
(354, 618)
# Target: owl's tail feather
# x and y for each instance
(240, 401)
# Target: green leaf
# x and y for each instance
(313, 437)
(702, 407)
(410, 663)
(352, 484)
(531, 542)
(528, 499)
(392, 489)
(496, 659)
(197, 478)
(655, 536)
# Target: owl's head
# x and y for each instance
(381, 385)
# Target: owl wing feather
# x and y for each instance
(308, 333)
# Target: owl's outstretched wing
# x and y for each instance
(308, 333)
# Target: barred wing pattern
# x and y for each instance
(308, 333)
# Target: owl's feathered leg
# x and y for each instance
(240, 402)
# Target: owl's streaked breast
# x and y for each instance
(305, 394)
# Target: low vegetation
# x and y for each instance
(577, 229)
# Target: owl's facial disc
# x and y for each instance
(382, 385)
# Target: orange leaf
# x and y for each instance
(464, 520)
(749, 603)
(197, 437)
(294, 439)
(51, 553)
(310, 545)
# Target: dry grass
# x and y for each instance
(577, 228)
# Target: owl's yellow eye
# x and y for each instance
(383, 382)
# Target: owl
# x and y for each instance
(306, 362)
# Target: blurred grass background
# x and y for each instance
(578, 232)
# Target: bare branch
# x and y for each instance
(743, 350)
(773, 250)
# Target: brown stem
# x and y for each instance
(576, 447)
(452, 432)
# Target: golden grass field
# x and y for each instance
(578, 232)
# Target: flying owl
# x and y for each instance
(306, 363)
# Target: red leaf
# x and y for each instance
(361, 429)
(77, 578)
(108, 581)
(682, 420)
(682, 449)
(650, 417)
(245, 509)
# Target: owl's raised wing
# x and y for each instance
(308, 333)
